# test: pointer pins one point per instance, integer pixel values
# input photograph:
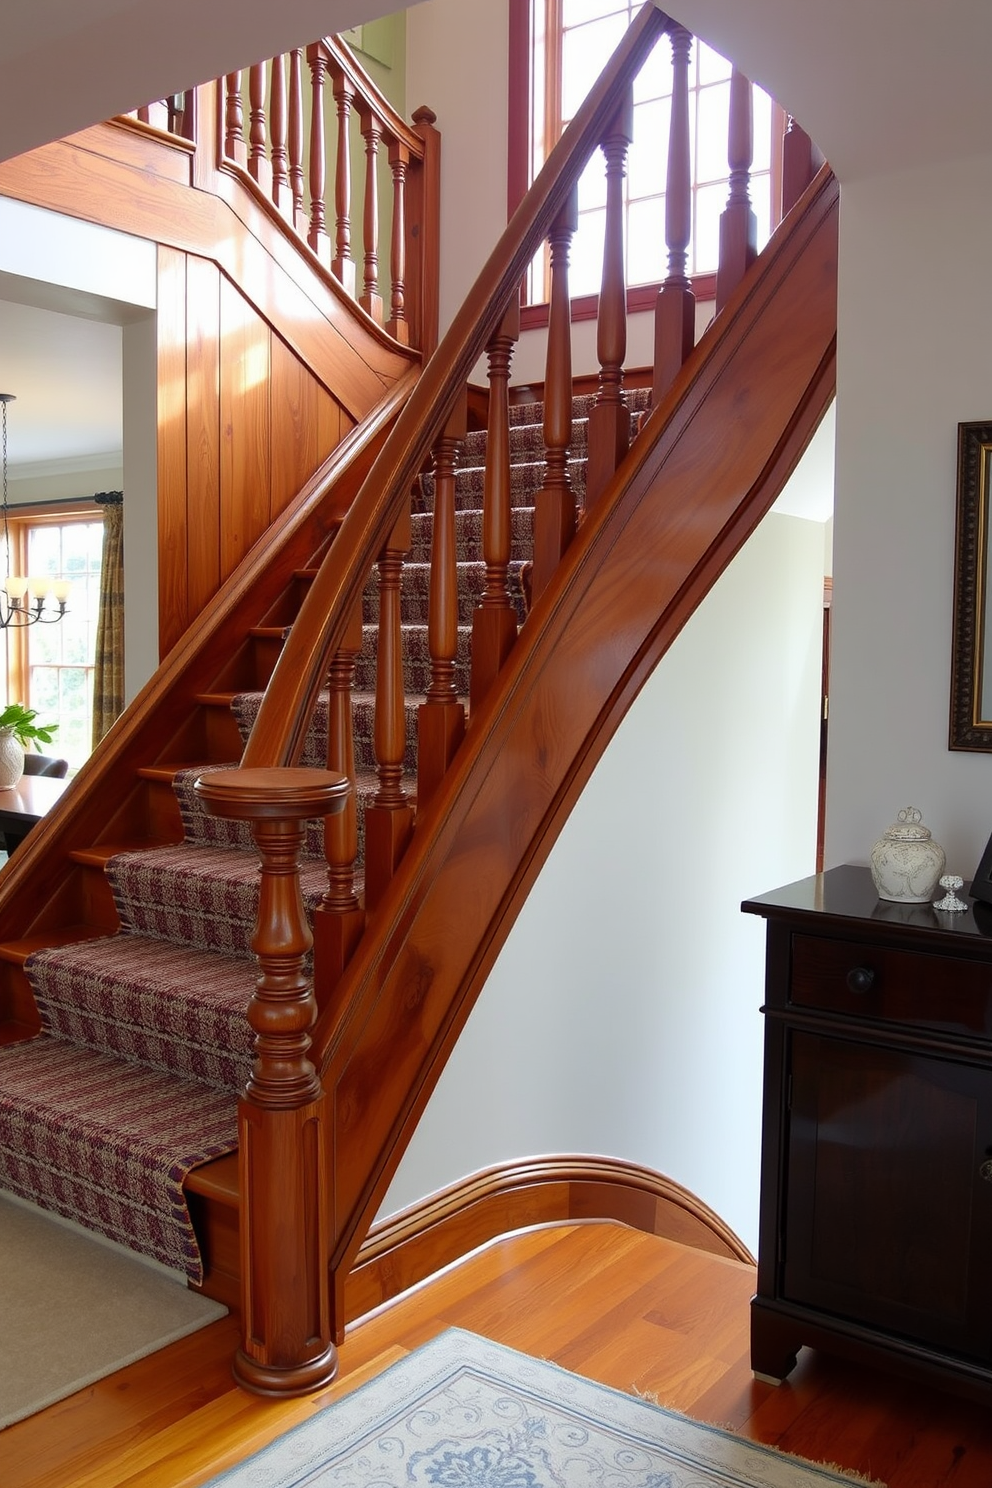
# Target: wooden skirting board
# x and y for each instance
(407, 1247)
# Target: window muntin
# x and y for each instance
(50, 666)
(570, 40)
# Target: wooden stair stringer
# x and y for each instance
(709, 462)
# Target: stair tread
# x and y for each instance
(198, 893)
(174, 1007)
(17, 951)
(217, 1180)
(108, 1142)
(99, 853)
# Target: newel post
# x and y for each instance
(287, 1343)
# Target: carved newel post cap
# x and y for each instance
(294, 791)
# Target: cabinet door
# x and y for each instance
(889, 1216)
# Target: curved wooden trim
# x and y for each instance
(707, 466)
(411, 1245)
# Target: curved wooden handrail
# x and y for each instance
(369, 95)
(280, 729)
(707, 466)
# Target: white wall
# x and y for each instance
(622, 1016)
(912, 362)
(470, 101)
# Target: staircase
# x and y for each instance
(145, 1047)
(407, 929)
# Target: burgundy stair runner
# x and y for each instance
(135, 1078)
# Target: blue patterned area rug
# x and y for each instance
(462, 1412)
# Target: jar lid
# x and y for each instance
(909, 827)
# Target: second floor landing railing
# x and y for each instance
(320, 142)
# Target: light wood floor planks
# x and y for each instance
(637, 1312)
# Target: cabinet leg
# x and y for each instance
(774, 1345)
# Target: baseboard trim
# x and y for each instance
(409, 1246)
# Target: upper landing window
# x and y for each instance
(567, 42)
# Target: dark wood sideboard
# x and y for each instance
(875, 1236)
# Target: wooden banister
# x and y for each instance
(389, 815)
(494, 624)
(340, 918)
(554, 505)
(675, 316)
(609, 422)
(441, 717)
(738, 224)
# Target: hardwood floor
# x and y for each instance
(632, 1310)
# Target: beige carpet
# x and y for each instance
(74, 1308)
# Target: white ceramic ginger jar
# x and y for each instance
(906, 862)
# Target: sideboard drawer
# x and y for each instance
(863, 980)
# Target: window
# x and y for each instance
(568, 41)
(50, 666)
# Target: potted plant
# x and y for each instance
(18, 731)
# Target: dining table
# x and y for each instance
(24, 804)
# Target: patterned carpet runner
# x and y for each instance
(145, 1047)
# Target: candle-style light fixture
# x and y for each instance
(24, 601)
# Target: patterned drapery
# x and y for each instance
(108, 676)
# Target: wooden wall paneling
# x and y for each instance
(245, 463)
(333, 421)
(301, 438)
(172, 488)
(203, 431)
(295, 452)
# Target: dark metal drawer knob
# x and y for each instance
(985, 1170)
(860, 979)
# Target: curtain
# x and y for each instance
(108, 676)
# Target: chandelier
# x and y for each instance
(24, 601)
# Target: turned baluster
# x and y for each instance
(299, 217)
(342, 264)
(258, 160)
(800, 162)
(554, 505)
(494, 621)
(389, 815)
(340, 919)
(144, 114)
(234, 135)
(421, 218)
(738, 224)
(317, 231)
(281, 194)
(675, 312)
(371, 300)
(609, 421)
(287, 1332)
(441, 717)
(398, 325)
